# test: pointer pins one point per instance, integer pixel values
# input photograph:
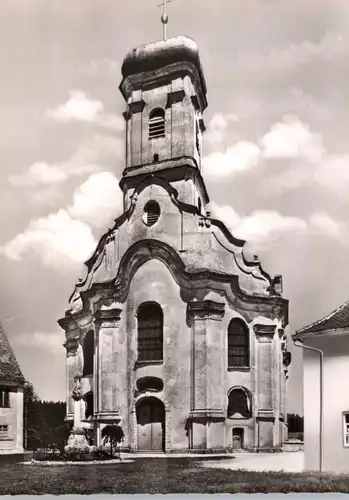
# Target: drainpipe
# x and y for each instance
(321, 434)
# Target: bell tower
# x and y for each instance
(165, 93)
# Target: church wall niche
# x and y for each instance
(153, 282)
(88, 348)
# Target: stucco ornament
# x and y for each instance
(76, 393)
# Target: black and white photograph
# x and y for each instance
(174, 247)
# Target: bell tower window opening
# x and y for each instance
(150, 333)
(157, 124)
(151, 213)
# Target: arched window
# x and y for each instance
(150, 333)
(88, 397)
(238, 344)
(88, 350)
(239, 404)
(157, 124)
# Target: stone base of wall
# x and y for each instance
(293, 446)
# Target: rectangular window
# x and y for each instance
(3, 432)
(4, 397)
(346, 429)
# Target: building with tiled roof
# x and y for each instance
(336, 320)
(11, 399)
(325, 345)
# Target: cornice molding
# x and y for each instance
(174, 97)
(151, 79)
(107, 318)
(206, 309)
(136, 107)
(142, 251)
(264, 333)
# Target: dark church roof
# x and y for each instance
(9, 368)
(339, 318)
(153, 56)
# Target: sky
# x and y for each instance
(276, 150)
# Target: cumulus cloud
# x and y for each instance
(305, 159)
(58, 240)
(97, 199)
(81, 107)
(217, 127)
(236, 159)
(288, 58)
(41, 340)
(325, 224)
(292, 139)
(260, 225)
(78, 107)
(263, 227)
(64, 239)
(87, 159)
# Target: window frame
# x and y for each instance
(345, 429)
(248, 400)
(156, 124)
(5, 397)
(155, 343)
(4, 435)
(246, 356)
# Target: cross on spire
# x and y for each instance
(164, 17)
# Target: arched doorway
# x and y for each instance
(238, 438)
(151, 425)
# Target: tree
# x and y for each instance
(295, 423)
(34, 423)
(114, 435)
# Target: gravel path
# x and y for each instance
(287, 461)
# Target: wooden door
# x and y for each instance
(151, 419)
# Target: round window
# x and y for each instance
(151, 213)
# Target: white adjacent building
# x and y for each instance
(331, 336)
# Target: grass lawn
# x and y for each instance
(152, 475)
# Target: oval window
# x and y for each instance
(150, 384)
(151, 213)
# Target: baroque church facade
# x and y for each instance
(174, 333)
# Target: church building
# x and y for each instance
(175, 334)
(11, 399)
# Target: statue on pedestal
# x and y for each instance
(77, 438)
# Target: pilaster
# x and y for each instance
(266, 412)
(107, 325)
(74, 358)
(207, 391)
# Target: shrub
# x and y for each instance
(112, 434)
(72, 454)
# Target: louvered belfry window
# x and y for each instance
(157, 124)
(151, 213)
(150, 333)
(238, 344)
